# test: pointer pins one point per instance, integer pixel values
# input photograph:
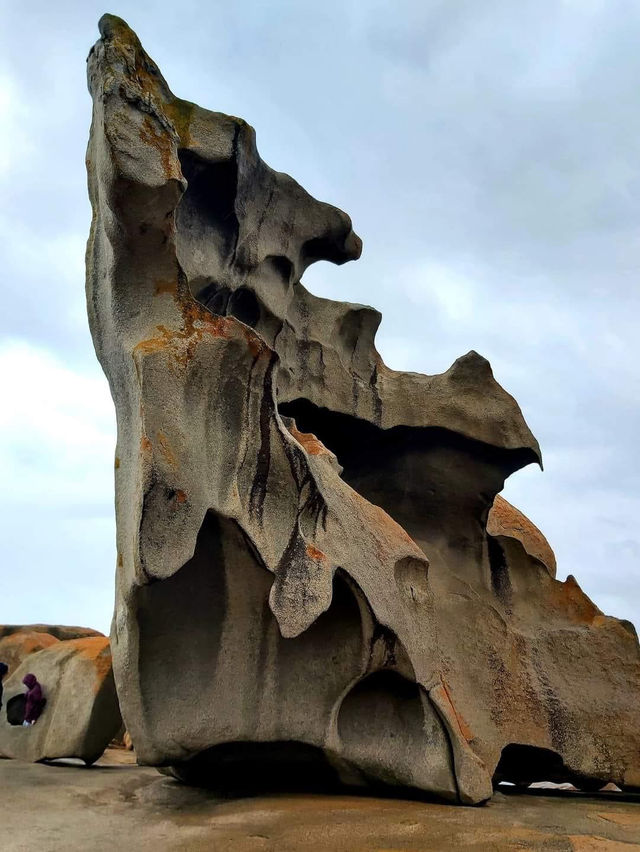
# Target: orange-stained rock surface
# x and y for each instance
(504, 519)
(17, 641)
(16, 646)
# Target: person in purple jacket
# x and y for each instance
(4, 668)
(35, 701)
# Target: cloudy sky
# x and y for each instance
(489, 155)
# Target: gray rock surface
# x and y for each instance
(82, 713)
(305, 575)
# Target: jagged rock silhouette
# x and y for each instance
(306, 579)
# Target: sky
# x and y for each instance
(488, 153)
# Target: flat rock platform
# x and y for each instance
(119, 805)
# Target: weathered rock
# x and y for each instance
(16, 646)
(17, 641)
(81, 715)
(305, 575)
(59, 631)
(505, 521)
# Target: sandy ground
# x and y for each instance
(118, 805)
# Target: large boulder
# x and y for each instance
(305, 577)
(81, 715)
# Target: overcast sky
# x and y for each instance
(488, 152)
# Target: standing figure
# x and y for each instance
(4, 668)
(35, 701)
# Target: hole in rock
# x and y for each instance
(243, 305)
(215, 297)
(525, 764)
(248, 768)
(382, 726)
(500, 580)
(425, 478)
(280, 265)
(210, 197)
(15, 709)
(322, 248)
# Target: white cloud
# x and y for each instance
(15, 143)
(56, 429)
(57, 437)
(453, 294)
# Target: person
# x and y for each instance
(35, 701)
(4, 668)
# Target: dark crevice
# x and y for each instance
(210, 196)
(244, 306)
(15, 709)
(249, 768)
(353, 440)
(526, 764)
(428, 479)
(242, 303)
(281, 266)
(500, 580)
(214, 297)
(261, 477)
(322, 248)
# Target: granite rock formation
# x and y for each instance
(82, 714)
(306, 576)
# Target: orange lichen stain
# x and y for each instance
(311, 444)
(505, 519)
(116, 463)
(180, 497)
(608, 622)
(197, 324)
(152, 87)
(571, 601)
(170, 286)
(152, 344)
(314, 553)
(145, 444)
(256, 344)
(181, 112)
(159, 139)
(165, 449)
(385, 520)
(465, 730)
(21, 644)
(96, 649)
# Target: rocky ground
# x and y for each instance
(118, 805)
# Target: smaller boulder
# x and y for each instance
(81, 715)
(16, 646)
(60, 631)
